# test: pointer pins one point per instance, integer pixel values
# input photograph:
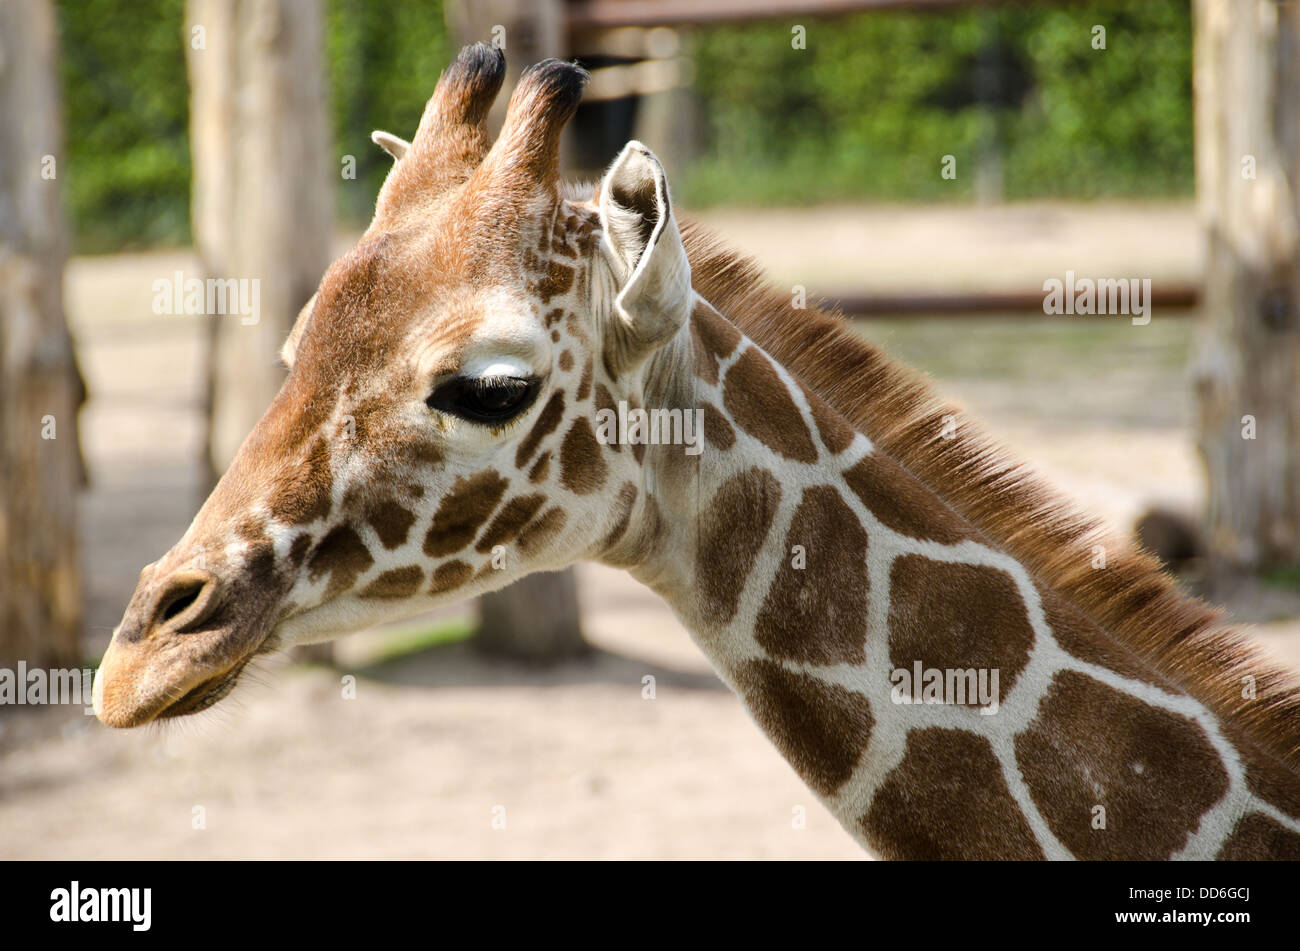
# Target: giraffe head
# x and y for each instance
(436, 436)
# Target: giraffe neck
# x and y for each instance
(937, 699)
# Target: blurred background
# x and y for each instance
(925, 165)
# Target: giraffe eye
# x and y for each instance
(485, 399)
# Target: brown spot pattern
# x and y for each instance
(462, 511)
(731, 533)
(574, 326)
(901, 503)
(1155, 772)
(540, 532)
(716, 428)
(835, 431)
(706, 364)
(557, 281)
(566, 361)
(818, 614)
(560, 237)
(450, 575)
(957, 616)
(1257, 836)
(760, 404)
(510, 521)
(623, 506)
(298, 550)
(540, 468)
(821, 729)
(713, 339)
(1081, 637)
(260, 564)
(547, 420)
(391, 521)
(948, 799)
(304, 494)
(397, 583)
(425, 452)
(584, 383)
(1271, 782)
(1266, 777)
(582, 463)
(638, 448)
(342, 556)
(634, 549)
(604, 401)
(252, 529)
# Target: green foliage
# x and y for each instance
(866, 111)
(126, 108)
(416, 637)
(870, 107)
(384, 62)
(1286, 578)
(126, 163)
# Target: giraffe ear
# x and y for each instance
(392, 144)
(289, 349)
(636, 216)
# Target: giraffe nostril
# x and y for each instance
(180, 596)
(180, 602)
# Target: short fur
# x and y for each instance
(1132, 598)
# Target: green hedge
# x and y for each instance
(126, 108)
(865, 112)
(384, 62)
(870, 107)
(126, 164)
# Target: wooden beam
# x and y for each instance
(605, 14)
(1176, 299)
(1246, 368)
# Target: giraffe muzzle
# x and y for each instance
(185, 638)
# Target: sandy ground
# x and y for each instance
(436, 749)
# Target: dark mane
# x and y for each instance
(1132, 599)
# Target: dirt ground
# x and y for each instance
(438, 748)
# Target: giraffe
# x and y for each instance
(445, 428)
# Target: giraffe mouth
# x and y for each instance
(205, 694)
(135, 688)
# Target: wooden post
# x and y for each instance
(263, 193)
(40, 386)
(263, 187)
(1247, 368)
(536, 619)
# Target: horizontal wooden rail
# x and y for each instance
(605, 14)
(1179, 299)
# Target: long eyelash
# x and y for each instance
(505, 425)
(445, 397)
(486, 384)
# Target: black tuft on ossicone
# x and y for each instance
(477, 74)
(558, 83)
